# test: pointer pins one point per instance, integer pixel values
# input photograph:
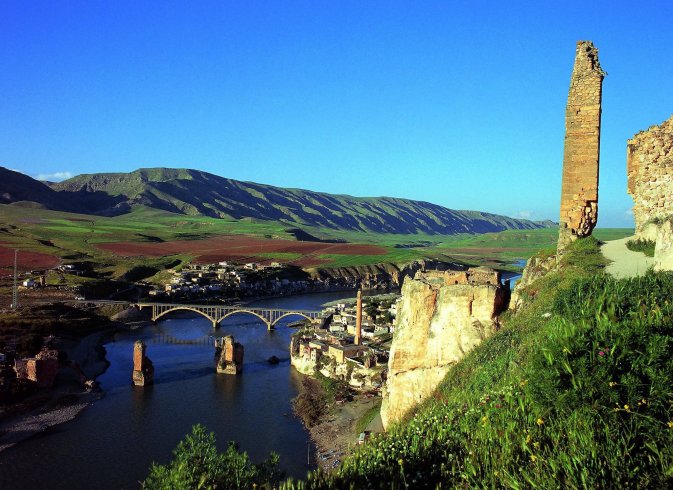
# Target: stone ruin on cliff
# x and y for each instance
(649, 166)
(143, 370)
(231, 356)
(579, 194)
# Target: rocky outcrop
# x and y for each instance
(231, 357)
(143, 370)
(579, 194)
(441, 317)
(536, 267)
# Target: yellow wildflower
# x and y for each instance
(533, 458)
(611, 384)
(670, 424)
(626, 407)
(540, 421)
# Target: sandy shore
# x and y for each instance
(27, 425)
(335, 436)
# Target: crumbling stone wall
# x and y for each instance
(42, 369)
(579, 194)
(649, 166)
(474, 275)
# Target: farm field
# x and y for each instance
(159, 239)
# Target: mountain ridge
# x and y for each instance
(194, 192)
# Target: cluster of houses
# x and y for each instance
(348, 346)
(228, 279)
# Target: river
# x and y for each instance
(112, 444)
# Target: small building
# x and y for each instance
(343, 352)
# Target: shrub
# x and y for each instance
(198, 464)
(640, 245)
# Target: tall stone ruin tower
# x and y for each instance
(579, 194)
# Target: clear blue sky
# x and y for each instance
(456, 103)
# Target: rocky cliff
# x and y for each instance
(441, 317)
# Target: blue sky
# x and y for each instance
(457, 103)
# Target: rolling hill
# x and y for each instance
(196, 193)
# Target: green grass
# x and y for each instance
(367, 417)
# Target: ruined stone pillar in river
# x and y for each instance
(143, 370)
(231, 357)
(579, 194)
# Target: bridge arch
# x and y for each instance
(186, 308)
(268, 324)
(290, 313)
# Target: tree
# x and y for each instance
(197, 464)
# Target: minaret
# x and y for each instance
(15, 288)
(579, 193)
(358, 319)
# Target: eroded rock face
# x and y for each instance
(579, 194)
(440, 319)
(536, 267)
(143, 370)
(663, 250)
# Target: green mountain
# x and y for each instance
(192, 192)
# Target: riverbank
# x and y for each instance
(50, 407)
(338, 430)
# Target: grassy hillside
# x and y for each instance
(576, 391)
(196, 193)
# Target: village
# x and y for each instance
(221, 281)
(351, 344)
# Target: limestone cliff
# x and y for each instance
(441, 317)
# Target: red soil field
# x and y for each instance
(27, 260)
(241, 249)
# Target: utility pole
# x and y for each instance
(15, 290)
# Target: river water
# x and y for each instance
(113, 442)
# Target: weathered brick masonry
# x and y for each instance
(579, 194)
(649, 166)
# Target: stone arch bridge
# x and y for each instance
(216, 314)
